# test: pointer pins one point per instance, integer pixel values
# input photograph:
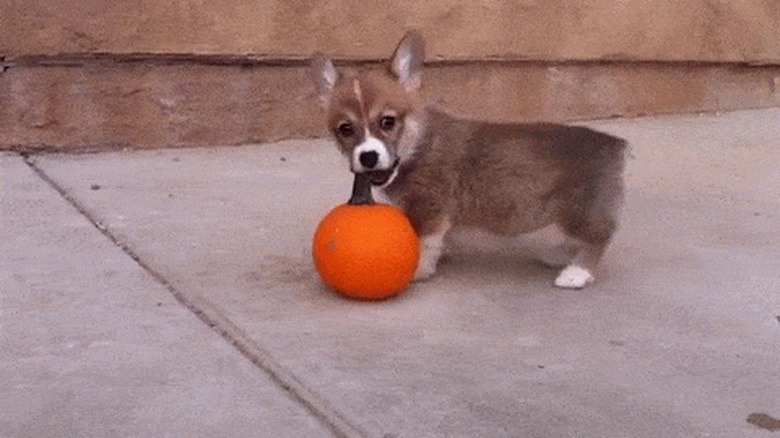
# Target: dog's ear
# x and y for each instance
(407, 61)
(325, 77)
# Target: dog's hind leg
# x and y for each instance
(595, 234)
(592, 219)
(579, 272)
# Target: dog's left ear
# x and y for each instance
(325, 77)
(407, 61)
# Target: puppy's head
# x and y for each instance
(371, 113)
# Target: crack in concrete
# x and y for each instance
(212, 316)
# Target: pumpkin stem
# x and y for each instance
(361, 191)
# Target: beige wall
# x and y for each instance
(96, 74)
(702, 30)
(66, 104)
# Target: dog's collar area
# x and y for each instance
(381, 177)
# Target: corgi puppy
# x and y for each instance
(448, 173)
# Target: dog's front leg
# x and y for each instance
(431, 246)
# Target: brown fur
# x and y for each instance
(512, 178)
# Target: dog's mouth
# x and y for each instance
(380, 177)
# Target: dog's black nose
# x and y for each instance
(369, 159)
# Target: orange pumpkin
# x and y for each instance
(365, 250)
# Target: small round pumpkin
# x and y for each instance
(365, 250)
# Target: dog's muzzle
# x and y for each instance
(380, 177)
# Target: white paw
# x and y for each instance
(574, 277)
(425, 269)
(430, 251)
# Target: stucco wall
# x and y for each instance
(701, 30)
(95, 74)
(72, 104)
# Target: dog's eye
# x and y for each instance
(387, 123)
(345, 130)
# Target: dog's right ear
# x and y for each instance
(407, 61)
(325, 77)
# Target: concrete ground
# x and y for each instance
(171, 293)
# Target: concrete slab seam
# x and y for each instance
(210, 314)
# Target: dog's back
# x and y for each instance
(508, 178)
